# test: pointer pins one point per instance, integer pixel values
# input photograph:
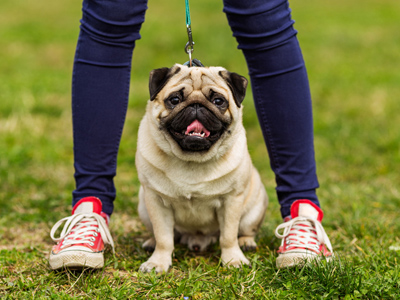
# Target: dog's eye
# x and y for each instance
(174, 100)
(219, 101)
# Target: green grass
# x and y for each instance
(351, 50)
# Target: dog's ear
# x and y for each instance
(159, 78)
(237, 84)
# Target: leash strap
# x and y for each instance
(190, 43)
(188, 21)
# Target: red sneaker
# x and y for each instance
(304, 238)
(81, 242)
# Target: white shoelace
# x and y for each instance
(310, 233)
(84, 232)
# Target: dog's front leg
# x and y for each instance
(162, 219)
(229, 217)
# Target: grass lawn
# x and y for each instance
(351, 50)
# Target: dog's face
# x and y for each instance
(196, 107)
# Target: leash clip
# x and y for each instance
(189, 45)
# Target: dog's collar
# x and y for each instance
(195, 63)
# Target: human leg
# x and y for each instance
(281, 94)
(264, 31)
(100, 90)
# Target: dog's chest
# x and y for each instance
(190, 188)
(196, 214)
(195, 200)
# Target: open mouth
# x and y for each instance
(196, 132)
(197, 129)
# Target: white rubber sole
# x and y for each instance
(299, 259)
(76, 259)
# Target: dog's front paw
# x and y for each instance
(160, 262)
(234, 258)
(149, 265)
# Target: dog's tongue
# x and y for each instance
(197, 128)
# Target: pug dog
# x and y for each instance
(198, 183)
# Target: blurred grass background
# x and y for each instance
(351, 49)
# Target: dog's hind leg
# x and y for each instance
(252, 220)
(248, 228)
(247, 243)
(150, 244)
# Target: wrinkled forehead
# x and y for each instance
(201, 79)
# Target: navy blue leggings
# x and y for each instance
(100, 90)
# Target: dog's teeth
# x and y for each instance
(197, 134)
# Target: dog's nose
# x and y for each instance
(198, 109)
(196, 106)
